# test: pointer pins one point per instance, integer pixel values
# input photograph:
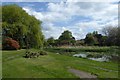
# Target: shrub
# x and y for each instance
(43, 53)
(29, 54)
(10, 44)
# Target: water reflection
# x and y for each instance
(80, 55)
(101, 59)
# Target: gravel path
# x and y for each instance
(83, 74)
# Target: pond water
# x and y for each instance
(101, 59)
(80, 55)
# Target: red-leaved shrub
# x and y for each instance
(9, 43)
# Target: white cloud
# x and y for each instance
(50, 30)
(92, 0)
(103, 14)
(38, 15)
(30, 0)
(59, 0)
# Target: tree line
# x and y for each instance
(110, 37)
(21, 30)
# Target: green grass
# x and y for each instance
(0, 64)
(52, 66)
(78, 49)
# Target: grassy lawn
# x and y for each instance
(0, 64)
(53, 66)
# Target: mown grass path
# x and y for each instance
(82, 74)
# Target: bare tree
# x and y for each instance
(112, 34)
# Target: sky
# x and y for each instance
(77, 17)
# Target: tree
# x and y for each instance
(20, 26)
(118, 36)
(91, 39)
(80, 42)
(96, 39)
(66, 38)
(112, 34)
(51, 41)
(103, 41)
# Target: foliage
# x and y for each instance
(91, 39)
(80, 42)
(51, 41)
(42, 52)
(9, 43)
(34, 54)
(96, 39)
(118, 36)
(45, 43)
(112, 34)
(20, 26)
(66, 38)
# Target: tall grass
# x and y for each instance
(79, 49)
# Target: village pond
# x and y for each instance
(100, 58)
(101, 55)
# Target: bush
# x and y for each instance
(29, 54)
(43, 53)
(10, 44)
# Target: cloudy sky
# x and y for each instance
(78, 17)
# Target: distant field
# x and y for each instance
(53, 66)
